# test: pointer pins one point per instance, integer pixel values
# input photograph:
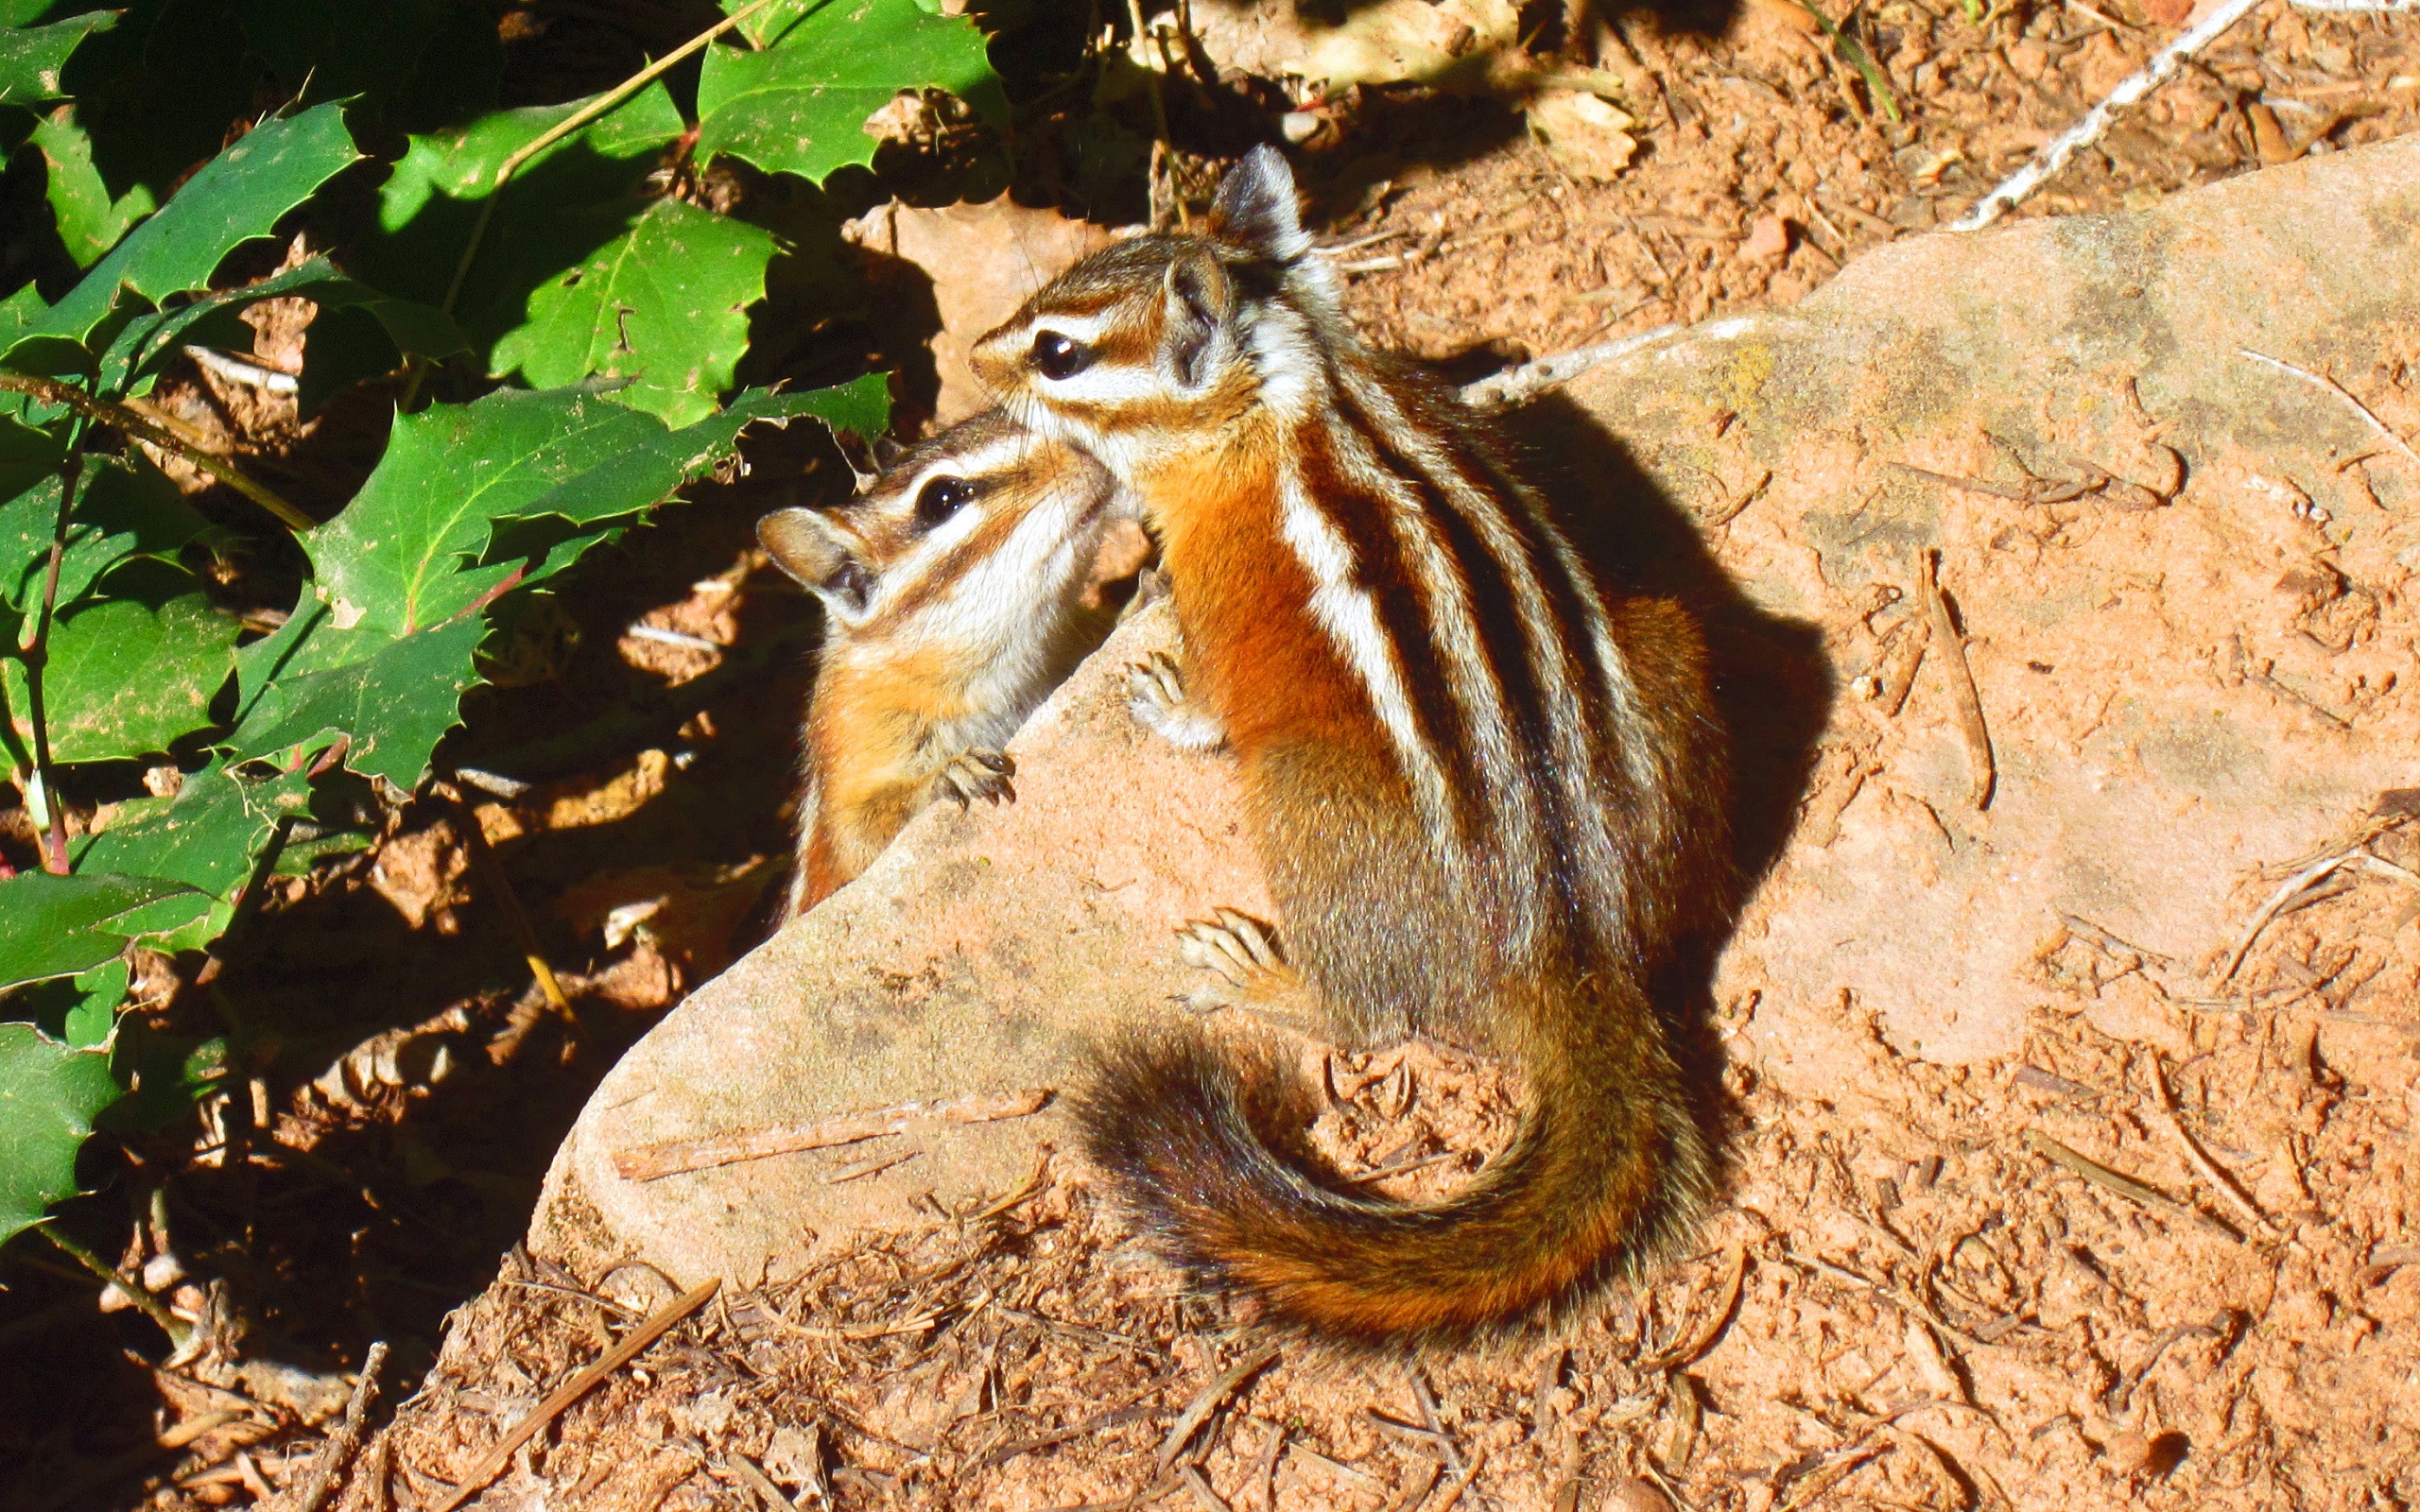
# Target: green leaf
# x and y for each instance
(395, 704)
(131, 672)
(393, 560)
(123, 508)
(90, 219)
(49, 1093)
(647, 474)
(59, 926)
(798, 103)
(238, 195)
(80, 1009)
(205, 838)
(665, 303)
(31, 57)
(159, 90)
(562, 205)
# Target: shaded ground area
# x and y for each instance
(1898, 1308)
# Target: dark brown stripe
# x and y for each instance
(1402, 604)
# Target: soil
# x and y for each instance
(1898, 1303)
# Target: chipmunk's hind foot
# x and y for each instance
(1254, 975)
(1156, 694)
(983, 774)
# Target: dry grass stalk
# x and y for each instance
(653, 1162)
(2125, 1186)
(2165, 1114)
(320, 1476)
(1213, 1397)
(577, 1386)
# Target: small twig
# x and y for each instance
(2329, 385)
(1515, 387)
(572, 1390)
(654, 1161)
(1213, 1397)
(1962, 678)
(2124, 1185)
(1205, 1496)
(2055, 153)
(1839, 1468)
(118, 417)
(2168, 1118)
(1435, 1423)
(320, 1476)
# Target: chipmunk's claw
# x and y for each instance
(1155, 690)
(983, 774)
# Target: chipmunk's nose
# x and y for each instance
(995, 357)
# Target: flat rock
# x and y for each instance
(2193, 673)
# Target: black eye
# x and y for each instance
(1060, 356)
(940, 499)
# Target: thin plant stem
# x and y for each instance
(174, 1327)
(118, 417)
(574, 122)
(35, 653)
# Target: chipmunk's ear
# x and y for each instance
(888, 450)
(824, 558)
(1255, 211)
(1197, 300)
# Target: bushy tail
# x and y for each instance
(1206, 1146)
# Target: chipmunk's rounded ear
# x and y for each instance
(1256, 210)
(1197, 300)
(822, 557)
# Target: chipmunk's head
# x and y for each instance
(1145, 334)
(963, 535)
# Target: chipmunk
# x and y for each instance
(1489, 792)
(952, 596)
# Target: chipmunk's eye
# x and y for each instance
(1060, 356)
(940, 499)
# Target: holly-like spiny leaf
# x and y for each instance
(31, 57)
(235, 196)
(394, 560)
(131, 672)
(207, 838)
(49, 1093)
(798, 101)
(59, 926)
(626, 486)
(90, 218)
(394, 705)
(562, 205)
(665, 303)
(123, 508)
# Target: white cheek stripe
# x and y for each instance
(1351, 621)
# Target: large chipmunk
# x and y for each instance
(952, 594)
(1488, 789)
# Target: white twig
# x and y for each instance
(1518, 386)
(237, 370)
(2375, 7)
(680, 638)
(2054, 154)
(2341, 394)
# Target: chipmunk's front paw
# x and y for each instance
(1257, 979)
(983, 774)
(1157, 697)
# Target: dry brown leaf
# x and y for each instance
(1587, 135)
(984, 261)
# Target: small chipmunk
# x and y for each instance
(1489, 792)
(952, 593)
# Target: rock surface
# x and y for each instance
(2201, 667)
